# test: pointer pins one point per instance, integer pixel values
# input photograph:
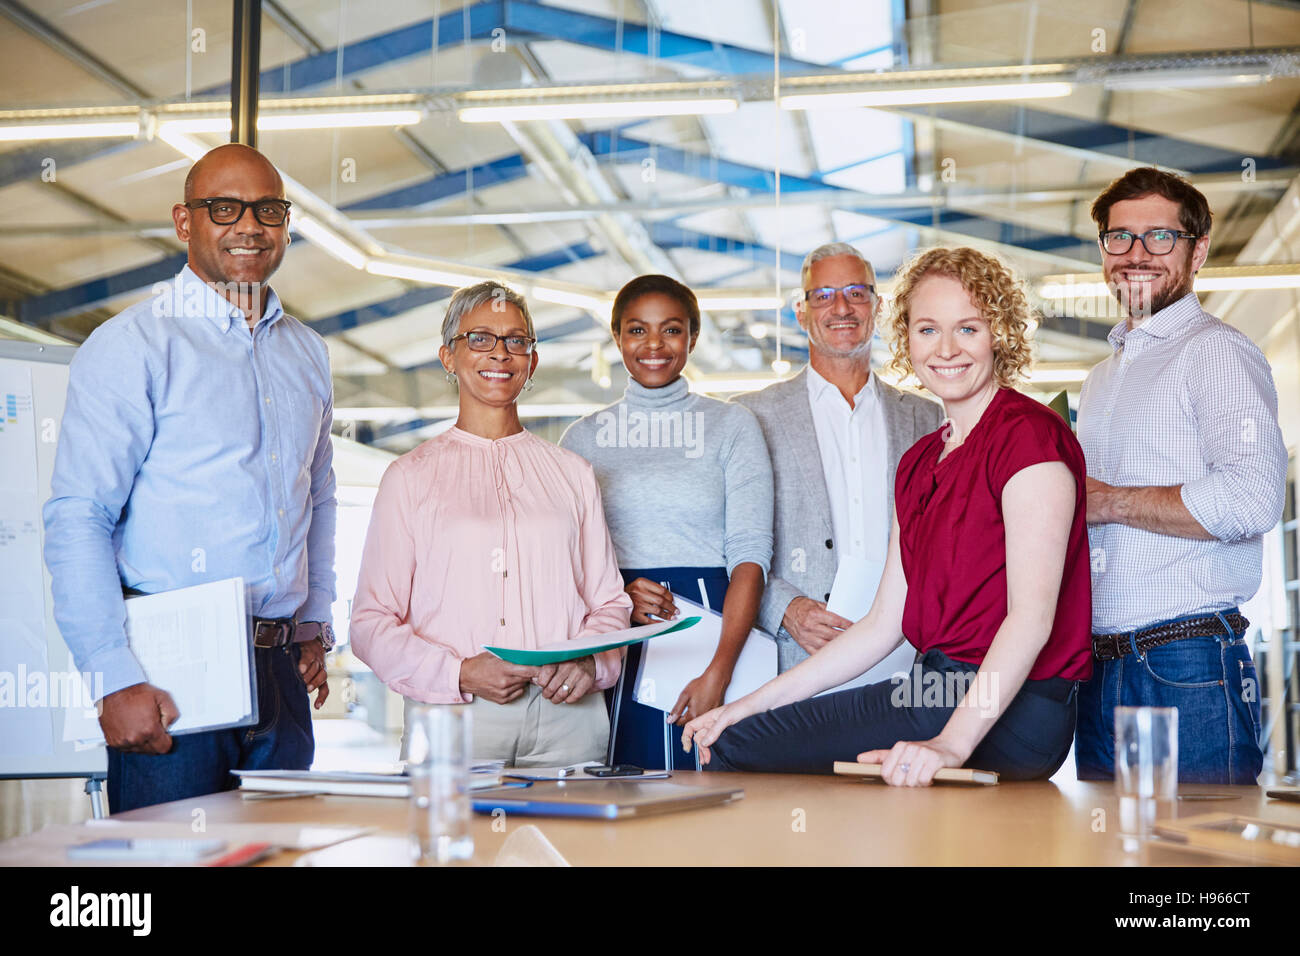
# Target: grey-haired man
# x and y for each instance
(835, 433)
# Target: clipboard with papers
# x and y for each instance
(673, 660)
(195, 644)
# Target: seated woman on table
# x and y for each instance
(987, 572)
(487, 535)
(687, 486)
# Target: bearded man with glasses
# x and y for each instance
(1186, 471)
(835, 434)
(195, 447)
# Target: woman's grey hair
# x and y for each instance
(828, 251)
(465, 300)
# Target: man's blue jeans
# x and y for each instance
(200, 764)
(1212, 682)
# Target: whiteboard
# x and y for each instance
(37, 684)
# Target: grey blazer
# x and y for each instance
(803, 551)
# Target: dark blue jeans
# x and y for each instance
(200, 763)
(1029, 742)
(1212, 682)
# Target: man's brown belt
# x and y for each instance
(272, 633)
(1109, 647)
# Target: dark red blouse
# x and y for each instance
(953, 540)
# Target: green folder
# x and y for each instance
(536, 658)
(1061, 405)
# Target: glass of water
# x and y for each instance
(438, 763)
(1146, 769)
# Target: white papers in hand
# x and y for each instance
(671, 662)
(193, 643)
(856, 581)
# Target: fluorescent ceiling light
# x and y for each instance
(300, 120)
(44, 131)
(1062, 287)
(727, 385)
(183, 143)
(20, 330)
(741, 303)
(1246, 283)
(576, 299)
(598, 109)
(331, 242)
(1074, 290)
(1050, 374)
(398, 270)
(1181, 80)
(916, 96)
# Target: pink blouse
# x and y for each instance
(475, 542)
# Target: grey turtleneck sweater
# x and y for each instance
(685, 479)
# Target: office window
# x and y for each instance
(1278, 649)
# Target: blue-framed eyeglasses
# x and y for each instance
(856, 294)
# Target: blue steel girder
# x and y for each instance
(521, 20)
(39, 310)
(755, 178)
(350, 319)
(626, 149)
(671, 236)
(448, 185)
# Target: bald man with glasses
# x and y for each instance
(195, 447)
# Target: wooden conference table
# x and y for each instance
(789, 820)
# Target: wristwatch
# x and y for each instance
(321, 631)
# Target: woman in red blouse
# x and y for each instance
(987, 573)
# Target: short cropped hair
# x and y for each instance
(829, 251)
(650, 285)
(465, 300)
(1193, 209)
(994, 290)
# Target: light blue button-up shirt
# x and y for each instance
(192, 449)
(1185, 400)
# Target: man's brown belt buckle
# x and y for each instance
(1109, 647)
(271, 633)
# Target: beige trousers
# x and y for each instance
(531, 731)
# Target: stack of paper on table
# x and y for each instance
(351, 784)
(193, 643)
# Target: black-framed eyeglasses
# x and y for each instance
(1157, 242)
(226, 211)
(856, 294)
(487, 341)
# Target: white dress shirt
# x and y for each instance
(854, 453)
(1185, 400)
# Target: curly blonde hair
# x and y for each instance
(993, 289)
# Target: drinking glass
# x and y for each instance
(438, 764)
(1146, 769)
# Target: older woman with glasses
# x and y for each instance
(986, 575)
(487, 535)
